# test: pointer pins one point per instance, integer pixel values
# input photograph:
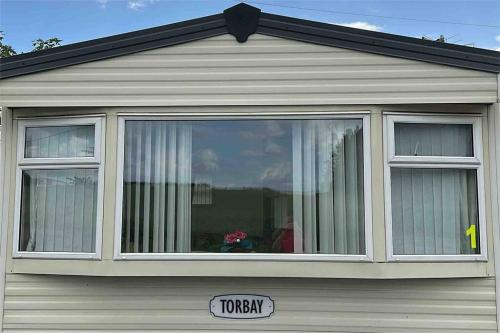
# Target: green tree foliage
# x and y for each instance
(5, 50)
(40, 44)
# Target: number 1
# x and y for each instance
(472, 233)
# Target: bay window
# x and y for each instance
(256, 186)
(434, 189)
(251, 187)
(59, 191)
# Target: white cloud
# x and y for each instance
(252, 135)
(102, 3)
(361, 25)
(139, 4)
(277, 171)
(209, 160)
(274, 129)
(496, 48)
(252, 153)
(273, 148)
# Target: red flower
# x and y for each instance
(235, 237)
(230, 238)
(241, 235)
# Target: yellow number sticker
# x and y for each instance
(472, 233)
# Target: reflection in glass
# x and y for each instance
(413, 139)
(58, 210)
(59, 141)
(243, 186)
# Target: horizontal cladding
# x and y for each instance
(264, 71)
(48, 303)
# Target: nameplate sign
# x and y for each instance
(241, 306)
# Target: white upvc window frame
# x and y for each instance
(474, 162)
(96, 162)
(367, 257)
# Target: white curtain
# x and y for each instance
(281, 212)
(59, 210)
(157, 187)
(433, 139)
(328, 200)
(432, 208)
(59, 205)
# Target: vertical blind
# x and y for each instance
(157, 187)
(59, 205)
(58, 211)
(432, 208)
(433, 139)
(328, 200)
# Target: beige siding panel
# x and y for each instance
(45, 303)
(263, 71)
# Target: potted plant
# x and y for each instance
(236, 241)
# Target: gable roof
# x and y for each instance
(241, 21)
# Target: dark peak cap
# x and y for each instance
(242, 20)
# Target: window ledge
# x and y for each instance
(264, 269)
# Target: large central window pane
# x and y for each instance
(243, 186)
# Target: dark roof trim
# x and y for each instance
(380, 43)
(241, 21)
(113, 46)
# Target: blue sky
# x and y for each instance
(77, 20)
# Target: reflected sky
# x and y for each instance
(230, 153)
(244, 153)
(60, 141)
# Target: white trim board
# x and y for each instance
(494, 140)
(5, 165)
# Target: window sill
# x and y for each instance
(263, 269)
(57, 255)
(244, 257)
(438, 258)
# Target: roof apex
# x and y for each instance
(241, 21)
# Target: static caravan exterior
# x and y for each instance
(250, 172)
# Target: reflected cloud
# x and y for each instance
(278, 171)
(271, 129)
(252, 153)
(208, 160)
(274, 129)
(273, 148)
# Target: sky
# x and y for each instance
(22, 21)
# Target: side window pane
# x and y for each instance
(58, 210)
(432, 209)
(433, 139)
(59, 141)
(264, 186)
